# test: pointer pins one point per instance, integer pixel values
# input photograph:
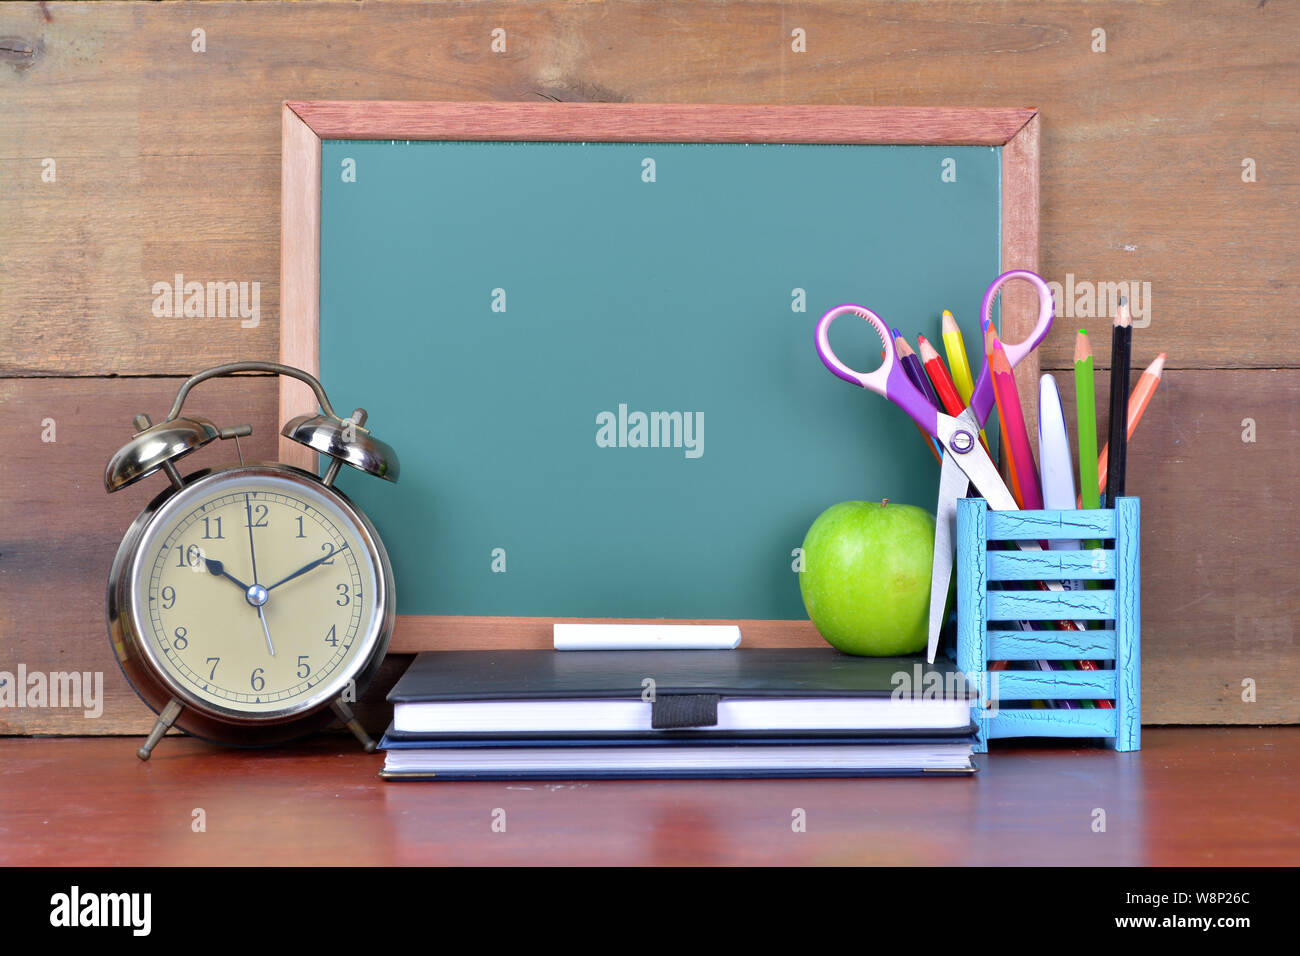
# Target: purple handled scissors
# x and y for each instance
(965, 462)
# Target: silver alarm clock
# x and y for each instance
(249, 605)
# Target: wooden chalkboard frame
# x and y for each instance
(305, 123)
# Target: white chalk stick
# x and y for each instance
(646, 637)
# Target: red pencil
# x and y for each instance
(912, 366)
(943, 383)
(939, 378)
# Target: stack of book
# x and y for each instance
(523, 714)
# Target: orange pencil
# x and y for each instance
(929, 443)
(1137, 404)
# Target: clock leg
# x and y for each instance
(160, 727)
(344, 713)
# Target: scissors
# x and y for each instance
(965, 462)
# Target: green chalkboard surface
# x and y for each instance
(596, 360)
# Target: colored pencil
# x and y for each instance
(957, 361)
(939, 378)
(1085, 397)
(916, 375)
(1013, 477)
(1137, 404)
(916, 371)
(1120, 360)
(1085, 400)
(930, 443)
(1089, 483)
(1012, 417)
(959, 365)
(942, 382)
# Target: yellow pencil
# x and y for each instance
(958, 364)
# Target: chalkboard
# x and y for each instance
(595, 358)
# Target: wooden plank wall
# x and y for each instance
(166, 161)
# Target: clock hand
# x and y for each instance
(267, 631)
(249, 510)
(255, 595)
(307, 567)
(219, 570)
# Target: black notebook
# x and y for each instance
(762, 692)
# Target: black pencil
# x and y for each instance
(1120, 361)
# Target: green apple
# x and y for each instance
(866, 577)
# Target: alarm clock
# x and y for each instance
(250, 605)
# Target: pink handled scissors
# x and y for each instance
(965, 462)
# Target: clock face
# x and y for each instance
(256, 593)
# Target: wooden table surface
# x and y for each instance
(1203, 796)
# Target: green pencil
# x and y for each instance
(1085, 398)
(1085, 404)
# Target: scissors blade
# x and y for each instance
(961, 439)
(952, 485)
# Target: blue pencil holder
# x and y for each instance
(991, 622)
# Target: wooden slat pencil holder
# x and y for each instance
(990, 623)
